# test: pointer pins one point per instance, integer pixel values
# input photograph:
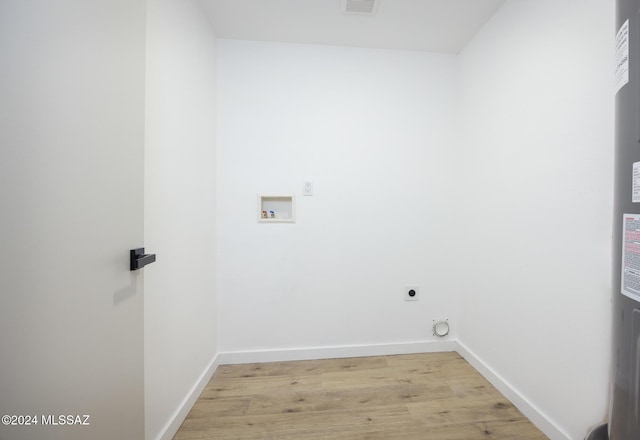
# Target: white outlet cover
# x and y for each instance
(407, 295)
(308, 188)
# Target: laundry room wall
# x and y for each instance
(180, 212)
(537, 146)
(374, 131)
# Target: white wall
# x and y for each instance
(537, 103)
(180, 223)
(374, 131)
(71, 189)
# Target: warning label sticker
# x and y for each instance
(622, 56)
(631, 256)
(635, 185)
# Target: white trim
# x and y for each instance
(531, 411)
(303, 354)
(174, 422)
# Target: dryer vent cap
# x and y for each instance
(364, 7)
(441, 328)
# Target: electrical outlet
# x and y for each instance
(308, 188)
(411, 293)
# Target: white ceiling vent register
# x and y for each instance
(364, 7)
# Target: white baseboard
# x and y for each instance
(537, 417)
(533, 413)
(302, 354)
(172, 426)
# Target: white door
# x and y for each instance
(71, 207)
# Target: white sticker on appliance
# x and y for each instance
(635, 186)
(622, 56)
(630, 279)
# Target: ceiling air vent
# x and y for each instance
(366, 7)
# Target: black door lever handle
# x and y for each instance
(138, 259)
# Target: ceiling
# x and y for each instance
(425, 25)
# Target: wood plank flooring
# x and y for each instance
(434, 396)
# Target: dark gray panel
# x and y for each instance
(624, 422)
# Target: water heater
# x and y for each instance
(624, 420)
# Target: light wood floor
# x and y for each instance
(433, 396)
